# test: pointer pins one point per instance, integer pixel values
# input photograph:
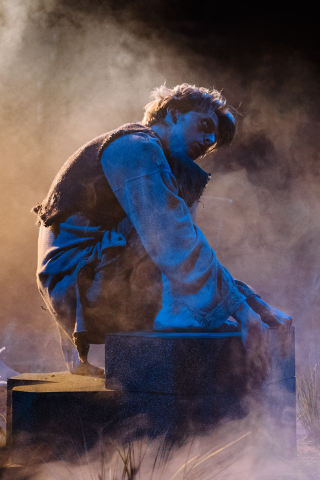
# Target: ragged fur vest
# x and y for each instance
(82, 187)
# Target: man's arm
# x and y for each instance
(197, 283)
(245, 289)
(269, 315)
(141, 179)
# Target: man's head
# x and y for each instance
(189, 118)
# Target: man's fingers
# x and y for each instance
(254, 368)
(266, 342)
(271, 319)
(284, 336)
(284, 322)
(275, 318)
(265, 329)
(261, 366)
(258, 369)
(258, 357)
(256, 340)
(266, 363)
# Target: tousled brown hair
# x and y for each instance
(186, 98)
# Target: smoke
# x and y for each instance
(238, 449)
(270, 231)
(71, 71)
(66, 77)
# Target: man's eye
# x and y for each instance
(205, 125)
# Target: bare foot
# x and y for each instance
(85, 368)
(74, 364)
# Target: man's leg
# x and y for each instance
(76, 354)
(123, 295)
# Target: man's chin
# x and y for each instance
(177, 153)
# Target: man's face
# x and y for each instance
(192, 133)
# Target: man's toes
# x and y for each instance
(95, 371)
(86, 369)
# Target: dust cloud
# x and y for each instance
(68, 74)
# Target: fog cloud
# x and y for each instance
(69, 73)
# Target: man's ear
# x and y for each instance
(173, 114)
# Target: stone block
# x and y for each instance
(186, 363)
(176, 386)
(192, 381)
(56, 415)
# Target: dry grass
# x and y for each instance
(308, 401)
(143, 460)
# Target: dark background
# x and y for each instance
(71, 70)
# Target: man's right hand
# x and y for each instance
(255, 338)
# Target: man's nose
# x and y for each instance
(209, 139)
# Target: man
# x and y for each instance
(116, 228)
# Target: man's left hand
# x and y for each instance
(275, 319)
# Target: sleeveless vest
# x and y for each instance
(81, 185)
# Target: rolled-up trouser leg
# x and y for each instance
(123, 295)
(69, 349)
(82, 345)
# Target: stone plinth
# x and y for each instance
(56, 415)
(202, 377)
(172, 385)
(175, 363)
(186, 363)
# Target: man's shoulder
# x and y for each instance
(135, 147)
(138, 141)
(134, 154)
(133, 134)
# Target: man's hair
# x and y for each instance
(186, 98)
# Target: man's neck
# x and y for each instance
(163, 132)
